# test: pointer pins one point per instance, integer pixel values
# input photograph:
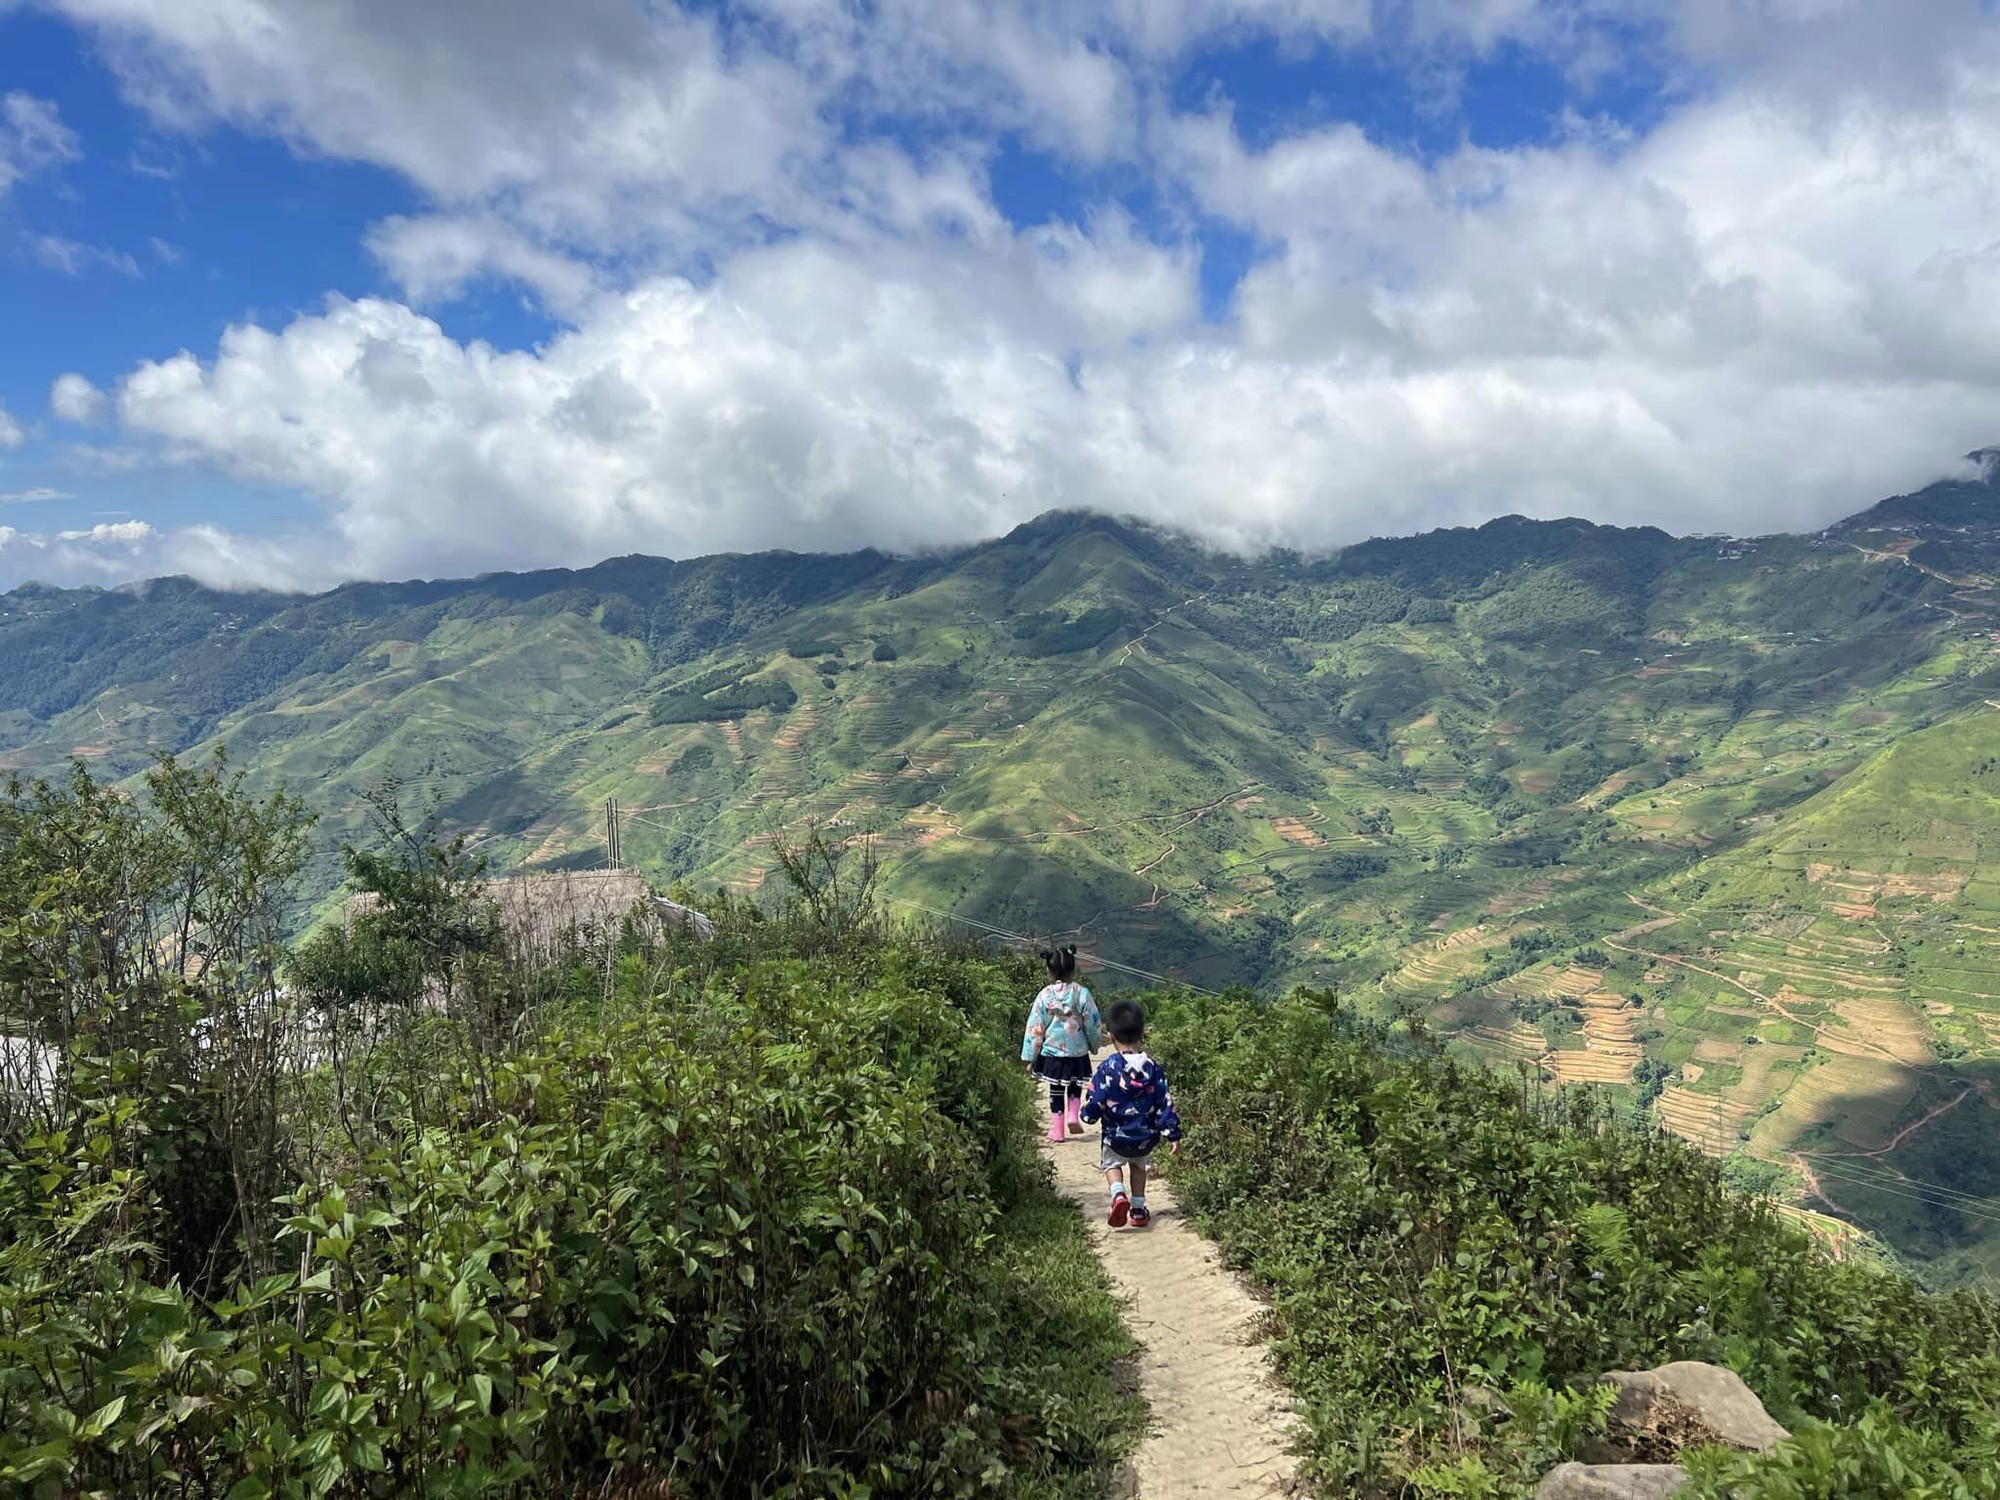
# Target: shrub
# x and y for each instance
(754, 1216)
(1880, 1457)
(1423, 1225)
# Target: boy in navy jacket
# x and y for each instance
(1129, 1093)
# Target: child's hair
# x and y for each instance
(1126, 1022)
(1061, 962)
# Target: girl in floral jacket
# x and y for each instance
(1063, 1030)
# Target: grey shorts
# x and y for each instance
(1111, 1161)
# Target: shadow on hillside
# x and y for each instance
(1934, 1195)
(1017, 888)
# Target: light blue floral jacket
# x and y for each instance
(1063, 1022)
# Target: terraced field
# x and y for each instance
(1611, 1048)
(1435, 773)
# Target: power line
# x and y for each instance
(1863, 1172)
(1914, 1189)
(1916, 1197)
(1107, 963)
(973, 922)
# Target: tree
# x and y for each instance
(834, 879)
(423, 892)
(140, 942)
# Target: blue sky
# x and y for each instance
(391, 289)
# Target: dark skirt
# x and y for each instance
(1062, 1069)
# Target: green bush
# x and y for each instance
(1423, 1226)
(742, 1236)
(1879, 1457)
(718, 1219)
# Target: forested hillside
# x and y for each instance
(1563, 788)
(418, 1206)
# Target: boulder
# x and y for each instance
(1611, 1482)
(1659, 1413)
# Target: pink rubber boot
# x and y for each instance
(1074, 1115)
(1056, 1126)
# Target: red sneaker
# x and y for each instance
(1141, 1216)
(1121, 1207)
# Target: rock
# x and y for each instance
(1484, 1401)
(1659, 1413)
(1611, 1482)
(1478, 1409)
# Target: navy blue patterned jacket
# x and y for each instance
(1129, 1093)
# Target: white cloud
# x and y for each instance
(115, 533)
(436, 257)
(11, 435)
(32, 138)
(73, 258)
(600, 120)
(33, 496)
(110, 533)
(786, 323)
(106, 553)
(74, 399)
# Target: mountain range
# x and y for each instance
(1696, 818)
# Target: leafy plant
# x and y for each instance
(762, 1219)
(1423, 1226)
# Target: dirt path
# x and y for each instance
(1908, 1130)
(1219, 1417)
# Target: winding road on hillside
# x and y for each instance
(1219, 1419)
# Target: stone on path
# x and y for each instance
(1220, 1421)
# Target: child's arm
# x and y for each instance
(1169, 1117)
(1093, 1023)
(1038, 1030)
(1094, 1103)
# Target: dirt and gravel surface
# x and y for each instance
(1219, 1418)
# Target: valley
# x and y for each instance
(1706, 821)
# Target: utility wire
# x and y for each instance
(986, 927)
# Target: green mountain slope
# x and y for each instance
(1829, 995)
(1436, 771)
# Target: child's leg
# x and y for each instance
(1141, 1215)
(1074, 1113)
(1056, 1131)
(1121, 1202)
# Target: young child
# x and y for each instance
(1129, 1094)
(1063, 1030)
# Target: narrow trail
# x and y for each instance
(1907, 1131)
(1813, 1188)
(1219, 1417)
(1158, 620)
